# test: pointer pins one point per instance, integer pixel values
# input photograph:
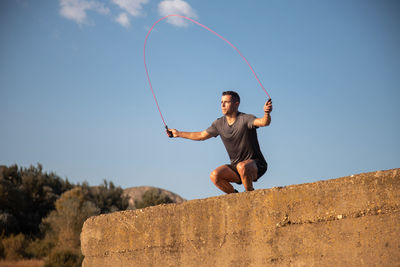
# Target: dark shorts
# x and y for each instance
(261, 169)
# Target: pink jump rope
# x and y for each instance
(205, 27)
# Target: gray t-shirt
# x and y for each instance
(240, 138)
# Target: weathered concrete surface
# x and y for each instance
(349, 221)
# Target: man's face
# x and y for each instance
(227, 106)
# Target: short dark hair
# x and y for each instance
(235, 96)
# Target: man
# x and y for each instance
(238, 133)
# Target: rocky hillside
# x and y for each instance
(135, 194)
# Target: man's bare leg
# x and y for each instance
(248, 173)
(222, 177)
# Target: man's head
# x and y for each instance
(230, 101)
(235, 96)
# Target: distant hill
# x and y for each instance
(136, 193)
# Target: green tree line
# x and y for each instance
(41, 214)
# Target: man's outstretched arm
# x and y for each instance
(196, 136)
(266, 120)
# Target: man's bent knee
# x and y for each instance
(241, 168)
(214, 176)
(246, 167)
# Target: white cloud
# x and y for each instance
(133, 7)
(76, 9)
(123, 19)
(178, 7)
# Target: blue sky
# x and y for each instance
(74, 94)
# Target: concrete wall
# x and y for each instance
(350, 221)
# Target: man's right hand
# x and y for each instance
(196, 136)
(174, 132)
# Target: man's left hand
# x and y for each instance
(268, 106)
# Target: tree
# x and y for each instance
(107, 197)
(27, 195)
(64, 224)
(152, 197)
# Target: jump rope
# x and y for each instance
(210, 30)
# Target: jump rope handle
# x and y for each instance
(169, 133)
